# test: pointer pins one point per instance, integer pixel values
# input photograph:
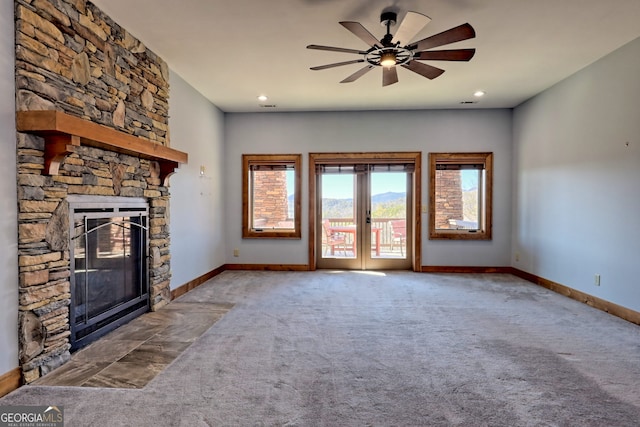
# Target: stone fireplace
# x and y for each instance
(92, 124)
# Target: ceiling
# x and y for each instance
(233, 51)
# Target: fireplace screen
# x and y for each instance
(109, 281)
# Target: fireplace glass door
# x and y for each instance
(109, 281)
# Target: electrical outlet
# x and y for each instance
(425, 209)
(236, 252)
(517, 257)
(596, 280)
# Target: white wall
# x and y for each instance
(196, 214)
(9, 217)
(577, 190)
(426, 131)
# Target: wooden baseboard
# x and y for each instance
(10, 381)
(181, 290)
(595, 302)
(268, 267)
(466, 270)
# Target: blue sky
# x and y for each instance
(340, 186)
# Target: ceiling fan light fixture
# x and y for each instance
(388, 59)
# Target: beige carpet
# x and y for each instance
(366, 349)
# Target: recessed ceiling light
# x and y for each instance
(262, 98)
(479, 93)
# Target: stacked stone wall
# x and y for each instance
(449, 202)
(270, 204)
(71, 57)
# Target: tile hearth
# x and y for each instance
(135, 353)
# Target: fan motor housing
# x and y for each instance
(388, 19)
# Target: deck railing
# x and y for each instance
(382, 223)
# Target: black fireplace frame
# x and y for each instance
(105, 207)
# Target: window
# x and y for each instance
(460, 188)
(271, 195)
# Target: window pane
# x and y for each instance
(458, 195)
(389, 214)
(338, 196)
(272, 199)
(339, 222)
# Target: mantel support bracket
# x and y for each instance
(167, 169)
(56, 149)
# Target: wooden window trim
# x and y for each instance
(461, 158)
(271, 159)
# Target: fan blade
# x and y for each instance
(425, 70)
(337, 64)
(355, 76)
(336, 49)
(456, 34)
(446, 55)
(389, 76)
(361, 32)
(411, 25)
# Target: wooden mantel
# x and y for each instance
(62, 132)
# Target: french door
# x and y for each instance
(364, 214)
